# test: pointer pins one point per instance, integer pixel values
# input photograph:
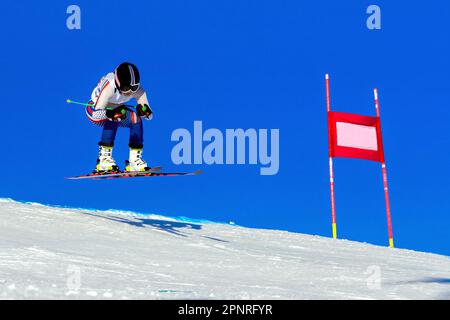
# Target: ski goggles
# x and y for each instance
(129, 88)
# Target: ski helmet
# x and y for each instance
(127, 77)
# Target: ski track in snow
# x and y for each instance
(60, 253)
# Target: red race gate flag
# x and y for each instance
(355, 136)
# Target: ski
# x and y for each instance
(152, 173)
(114, 174)
(156, 174)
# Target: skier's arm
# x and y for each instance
(141, 97)
(143, 108)
(104, 96)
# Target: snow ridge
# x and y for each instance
(53, 252)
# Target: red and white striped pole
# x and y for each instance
(330, 159)
(384, 172)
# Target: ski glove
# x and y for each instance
(116, 113)
(143, 110)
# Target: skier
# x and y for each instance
(107, 109)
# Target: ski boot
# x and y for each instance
(105, 161)
(135, 162)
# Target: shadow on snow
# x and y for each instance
(172, 227)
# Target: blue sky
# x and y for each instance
(238, 64)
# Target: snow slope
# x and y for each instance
(57, 253)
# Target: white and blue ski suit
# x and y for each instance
(105, 95)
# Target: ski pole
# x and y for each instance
(90, 105)
(80, 103)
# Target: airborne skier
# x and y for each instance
(107, 109)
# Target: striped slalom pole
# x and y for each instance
(330, 163)
(333, 210)
(385, 180)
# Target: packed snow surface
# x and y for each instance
(60, 253)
